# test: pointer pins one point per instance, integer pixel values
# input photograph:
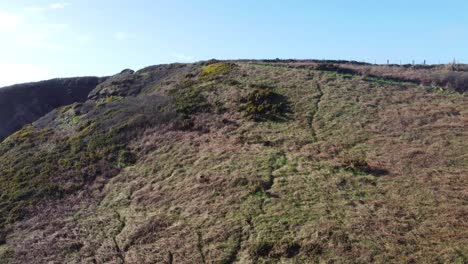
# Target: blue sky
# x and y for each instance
(44, 39)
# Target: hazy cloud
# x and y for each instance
(18, 73)
(39, 41)
(34, 9)
(121, 35)
(31, 30)
(83, 39)
(59, 5)
(9, 22)
(42, 36)
(52, 6)
(182, 57)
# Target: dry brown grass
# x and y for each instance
(228, 189)
(452, 77)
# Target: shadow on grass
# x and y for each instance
(376, 172)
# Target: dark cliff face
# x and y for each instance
(22, 104)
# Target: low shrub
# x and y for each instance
(125, 159)
(215, 69)
(265, 104)
(188, 98)
(334, 68)
(355, 163)
(355, 160)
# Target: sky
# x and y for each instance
(42, 39)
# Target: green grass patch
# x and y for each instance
(188, 97)
(381, 80)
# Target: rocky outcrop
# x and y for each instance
(126, 83)
(131, 83)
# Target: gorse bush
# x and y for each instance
(356, 160)
(264, 104)
(125, 159)
(217, 68)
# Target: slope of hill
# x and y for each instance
(22, 104)
(241, 162)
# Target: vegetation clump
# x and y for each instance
(125, 159)
(355, 161)
(188, 98)
(334, 68)
(261, 249)
(264, 104)
(215, 69)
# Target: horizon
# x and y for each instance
(390, 64)
(51, 39)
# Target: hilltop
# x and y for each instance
(274, 161)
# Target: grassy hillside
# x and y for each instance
(241, 162)
(23, 104)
